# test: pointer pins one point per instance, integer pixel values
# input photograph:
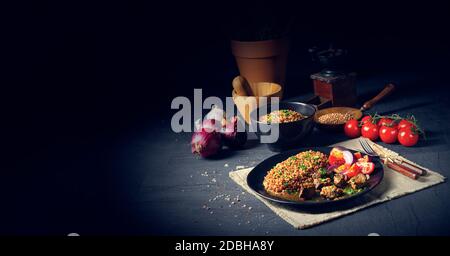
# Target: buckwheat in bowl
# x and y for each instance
(282, 116)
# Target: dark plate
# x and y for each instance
(256, 177)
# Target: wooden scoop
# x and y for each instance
(242, 87)
(247, 103)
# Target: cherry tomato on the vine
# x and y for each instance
(386, 122)
(408, 137)
(388, 134)
(351, 129)
(404, 123)
(366, 119)
(370, 130)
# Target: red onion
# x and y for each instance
(348, 157)
(211, 125)
(205, 143)
(331, 168)
(231, 137)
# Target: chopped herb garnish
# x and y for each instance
(307, 156)
(351, 191)
(323, 172)
(290, 191)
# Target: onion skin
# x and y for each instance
(210, 125)
(206, 143)
(340, 148)
(231, 137)
(331, 168)
(348, 157)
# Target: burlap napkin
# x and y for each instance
(394, 185)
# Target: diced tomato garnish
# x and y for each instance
(366, 167)
(364, 159)
(333, 160)
(342, 168)
(352, 171)
(336, 152)
(357, 155)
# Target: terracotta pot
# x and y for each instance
(262, 61)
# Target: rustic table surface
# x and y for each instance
(146, 181)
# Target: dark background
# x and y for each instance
(78, 78)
